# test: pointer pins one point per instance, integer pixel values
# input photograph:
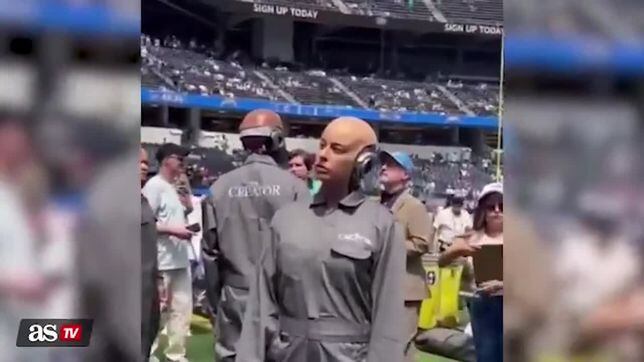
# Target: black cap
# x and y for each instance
(171, 149)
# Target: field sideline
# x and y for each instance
(200, 344)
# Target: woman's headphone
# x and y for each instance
(365, 162)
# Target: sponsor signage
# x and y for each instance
(473, 29)
(302, 13)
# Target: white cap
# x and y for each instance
(491, 188)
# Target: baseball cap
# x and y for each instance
(402, 159)
(171, 149)
(490, 189)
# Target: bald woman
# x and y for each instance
(329, 285)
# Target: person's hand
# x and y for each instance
(462, 248)
(491, 287)
(182, 233)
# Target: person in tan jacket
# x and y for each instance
(410, 213)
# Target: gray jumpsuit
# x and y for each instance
(236, 221)
(329, 287)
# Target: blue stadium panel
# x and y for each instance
(573, 54)
(183, 100)
(58, 16)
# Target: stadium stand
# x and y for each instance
(309, 4)
(392, 8)
(481, 98)
(472, 11)
(191, 71)
(309, 87)
(401, 95)
(487, 12)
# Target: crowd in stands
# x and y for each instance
(193, 68)
(436, 175)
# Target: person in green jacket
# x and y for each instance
(300, 164)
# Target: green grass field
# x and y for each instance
(200, 344)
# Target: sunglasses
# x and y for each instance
(493, 207)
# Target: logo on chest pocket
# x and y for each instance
(355, 238)
(353, 245)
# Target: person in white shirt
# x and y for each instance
(175, 289)
(451, 222)
(23, 286)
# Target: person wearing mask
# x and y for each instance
(173, 243)
(329, 287)
(450, 222)
(300, 164)
(410, 213)
(236, 222)
(149, 268)
(486, 309)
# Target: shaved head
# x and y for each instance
(340, 144)
(350, 131)
(261, 118)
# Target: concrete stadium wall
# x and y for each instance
(159, 135)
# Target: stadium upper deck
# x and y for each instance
(172, 66)
(489, 12)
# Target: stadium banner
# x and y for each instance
(292, 11)
(183, 100)
(473, 29)
(302, 13)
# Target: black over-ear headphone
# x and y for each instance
(276, 140)
(275, 136)
(365, 162)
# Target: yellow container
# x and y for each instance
(450, 284)
(442, 305)
(429, 307)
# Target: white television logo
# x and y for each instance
(46, 333)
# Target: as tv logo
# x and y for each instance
(54, 333)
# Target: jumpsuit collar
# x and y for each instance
(352, 200)
(257, 158)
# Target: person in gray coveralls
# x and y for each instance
(329, 284)
(236, 223)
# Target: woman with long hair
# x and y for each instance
(486, 309)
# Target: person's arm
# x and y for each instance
(387, 339)
(153, 194)
(177, 231)
(260, 323)
(458, 249)
(210, 253)
(418, 231)
(436, 225)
